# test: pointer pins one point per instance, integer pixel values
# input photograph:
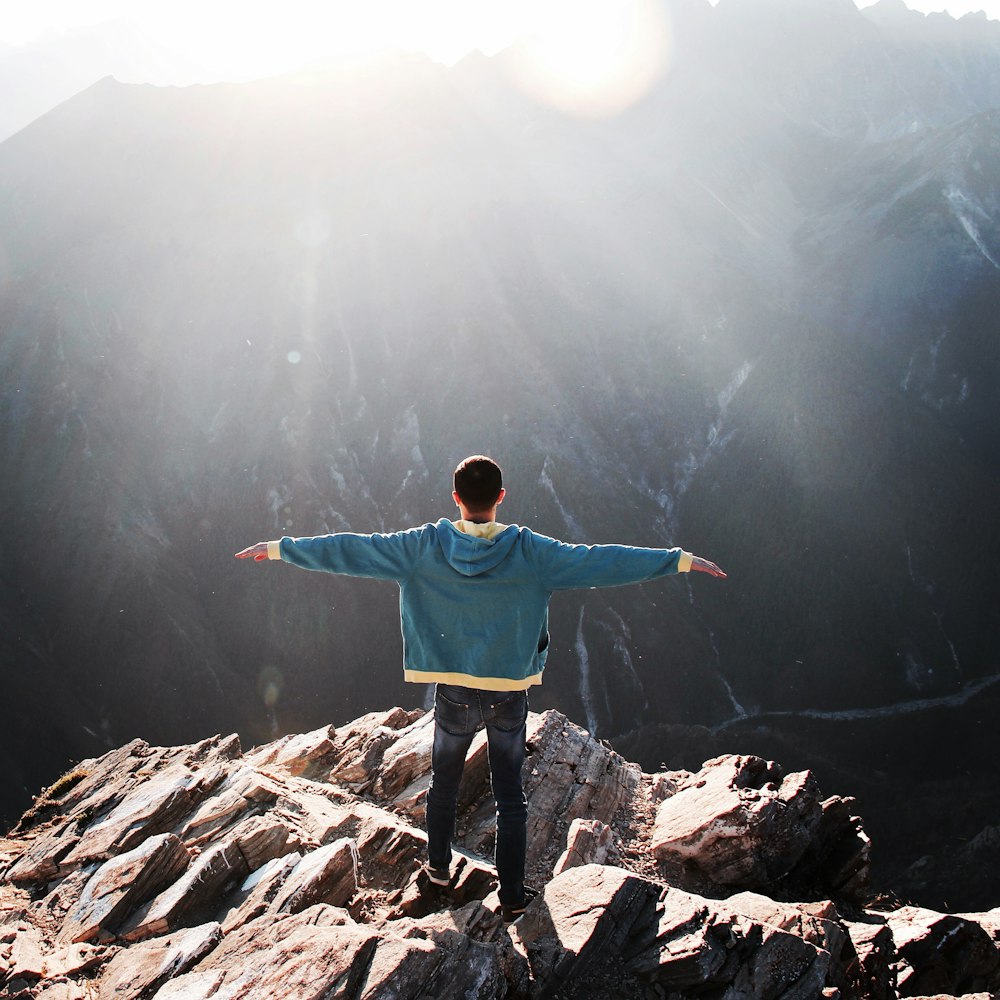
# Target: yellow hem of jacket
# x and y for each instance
(471, 681)
(274, 549)
(684, 563)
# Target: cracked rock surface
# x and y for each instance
(293, 871)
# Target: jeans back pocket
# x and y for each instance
(453, 716)
(509, 710)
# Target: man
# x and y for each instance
(474, 598)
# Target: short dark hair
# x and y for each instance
(478, 482)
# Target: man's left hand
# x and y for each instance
(699, 565)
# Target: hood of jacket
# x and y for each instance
(473, 554)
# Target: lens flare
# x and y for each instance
(270, 683)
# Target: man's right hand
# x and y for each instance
(256, 552)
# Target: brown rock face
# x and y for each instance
(741, 822)
(292, 871)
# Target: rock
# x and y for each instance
(470, 880)
(242, 793)
(310, 954)
(123, 884)
(327, 875)
(698, 945)
(193, 897)
(361, 744)
(667, 783)
(73, 960)
(27, 958)
(582, 916)
(874, 946)
(295, 870)
(569, 775)
(942, 953)
(818, 923)
(745, 824)
(589, 841)
(148, 809)
(309, 755)
(143, 968)
(406, 761)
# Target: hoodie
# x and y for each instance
(474, 598)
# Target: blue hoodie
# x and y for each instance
(474, 598)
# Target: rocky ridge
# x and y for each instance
(293, 870)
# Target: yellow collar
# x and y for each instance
(489, 530)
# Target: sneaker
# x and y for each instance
(438, 876)
(511, 911)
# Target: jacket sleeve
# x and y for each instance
(562, 566)
(380, 557)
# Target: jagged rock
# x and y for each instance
(294, 870)
(876, 953)
(667, 783)
(309, 954)
(193, 896)
(700, 944)
(293, 883)
(361, 744)
(322, 952)
(584, 915)
(818, 923)
(243, 791)
(404, 771)
(150, 808)
(328, 875)
(745, 824)
(308, 755)
(137, 971)
(27, 958)
(942, 953)
(589, 841)
(122, 884)
(73, 959)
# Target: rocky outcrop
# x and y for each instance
(742, 822)
(293, 870)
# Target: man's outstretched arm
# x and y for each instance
(698, 565)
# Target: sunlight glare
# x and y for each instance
(594, 57)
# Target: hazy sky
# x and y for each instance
(243, 38)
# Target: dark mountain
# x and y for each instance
(753, 315)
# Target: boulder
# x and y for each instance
(588, 841)
(942, 953)
(741, 822)
(580, 919)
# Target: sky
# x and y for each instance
(241, 39)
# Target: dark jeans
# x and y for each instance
(459, 713)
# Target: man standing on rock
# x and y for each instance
(474, 597)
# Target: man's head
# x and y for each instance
(478, 485)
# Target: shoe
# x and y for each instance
(510, 912)
(438, 876)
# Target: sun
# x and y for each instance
(593, 57)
